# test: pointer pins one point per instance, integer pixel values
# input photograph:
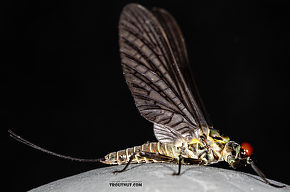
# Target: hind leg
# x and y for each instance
(156, 157)
(130, 160)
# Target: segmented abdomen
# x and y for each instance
(123, 156)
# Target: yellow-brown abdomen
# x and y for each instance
(123, 156)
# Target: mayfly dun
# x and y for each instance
(157, 71)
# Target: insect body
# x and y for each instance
(167, 152)
(157, 71)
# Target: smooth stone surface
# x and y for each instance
(158, 177)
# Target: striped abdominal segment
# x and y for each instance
(146, 153)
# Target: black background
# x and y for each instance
(66, 91)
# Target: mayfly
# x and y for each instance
(157, 71)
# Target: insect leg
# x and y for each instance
(156, 157)
(261, 174)
(179, 165)
(130, 160)
(191, 161)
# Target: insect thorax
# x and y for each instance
(209, 150)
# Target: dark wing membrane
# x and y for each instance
(177, 43)
(153, 76)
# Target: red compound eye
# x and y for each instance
(248, 149)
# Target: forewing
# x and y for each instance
(153, 76)
(177, 43)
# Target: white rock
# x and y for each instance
(158, 178)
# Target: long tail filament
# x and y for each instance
(28, 143)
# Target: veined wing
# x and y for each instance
(177, 43)
(154, 77)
